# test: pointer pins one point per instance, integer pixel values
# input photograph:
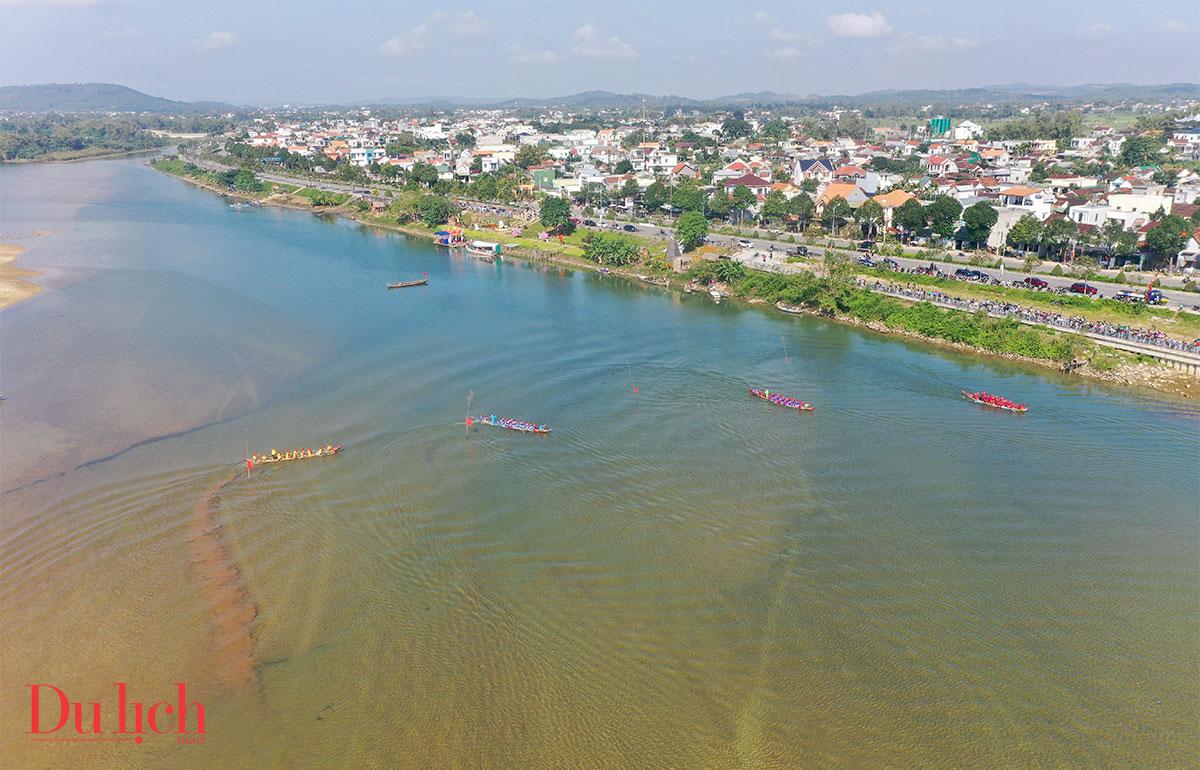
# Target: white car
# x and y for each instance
(745, 242)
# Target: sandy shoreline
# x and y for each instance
(14, 287)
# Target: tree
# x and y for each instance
(435, 210)
(719, 204)
(555, 214)
(423, 174)
(464, 139)
(835, 213)
(979, 219)
(1166, 239)
(1057, 234)
(529, 155)
(655, 196)
(742, 199)
(1027, 230)
(691, 229)
(735, 127)
(624, 167)
(868, 216)
(774, 206)
(943, 215)
(910, 216)
(809, 185)
(245, 181)
(1140, 151)
(485, 187)
(630, 189)
(609, 249)
(687, 196)
(774, 130)
(729, 271)
(803, 208)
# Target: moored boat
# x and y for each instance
(486, 250)
(653, 281)
(784, 401)
(503, 422)
(406, 284)
(275, 456)
(716, 295)
(984, 398)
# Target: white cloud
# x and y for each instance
(1099, 29)
(1174, 25)
(416, 39)
(691, 59)
(214, 41)
(788, 52)
(784, 35)
(521, 55)
(413, 40)
(910, 43)
(588, 44)
(859, 24)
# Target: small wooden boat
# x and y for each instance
(716, 295)
(275, 456)
(603, 270)
(509, 424)
(653, 281)
(406, 284)
(784, 401)
(984, 398)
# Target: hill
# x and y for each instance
(95, 97)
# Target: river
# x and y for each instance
(680, 575)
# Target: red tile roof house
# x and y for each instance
(684, 170)
(939, 164)
(756, 184)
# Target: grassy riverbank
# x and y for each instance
(832, 296)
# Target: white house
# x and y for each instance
(967, 130)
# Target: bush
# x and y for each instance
(791, 239)
(609, 249)
(1057, 270)
(1121, 277)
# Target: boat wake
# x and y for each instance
(224, 589)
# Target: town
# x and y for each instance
(1042, 186)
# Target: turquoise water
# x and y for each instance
(684, 576)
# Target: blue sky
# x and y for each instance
(267, 52)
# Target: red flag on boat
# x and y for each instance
(470, 421)
(249, 465)
(635, 390)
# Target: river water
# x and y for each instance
(680, 576)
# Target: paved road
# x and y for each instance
(763, 254)
(757, 248)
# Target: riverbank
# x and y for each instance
(14, 286)
(1064, 352)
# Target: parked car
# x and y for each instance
(890, 263)
(798, 251)
(1034, 282)
(964, 274)
(866, 246)
(589, 223)
(745, 242)
(1080, 287)
(866, 261)
(629, 229)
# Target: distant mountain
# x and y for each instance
(994, 94)
(95, 97)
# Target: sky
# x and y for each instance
(264, 52)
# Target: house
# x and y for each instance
(1031, 200)
(684, 170)
(1188, 258)
(892, 201)
(820, 169)
(938, 165)
(756, 184)
(967, 130)
(849, 191)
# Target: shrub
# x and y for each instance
(1057, 270)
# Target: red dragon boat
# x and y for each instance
(778, 400)
(996, 402)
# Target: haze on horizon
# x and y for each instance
(270, 52)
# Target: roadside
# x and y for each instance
(1064, 351)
